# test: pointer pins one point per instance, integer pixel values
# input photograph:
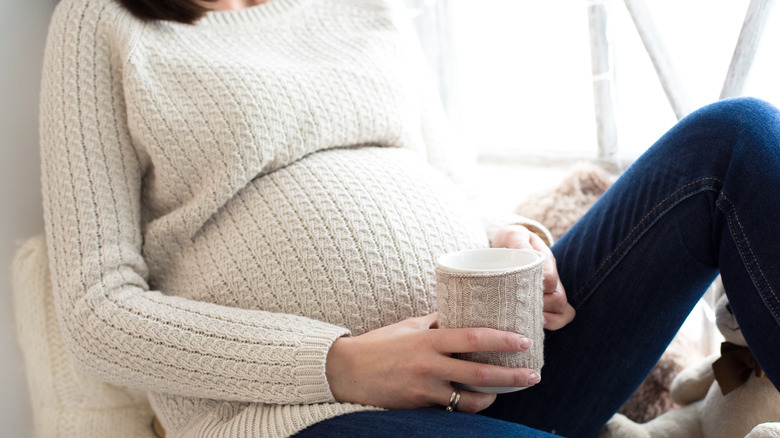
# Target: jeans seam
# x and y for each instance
(739, 232)
(623, 244)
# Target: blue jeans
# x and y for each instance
(705, 199)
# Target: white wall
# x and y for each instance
(23, 26)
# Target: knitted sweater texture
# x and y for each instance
(224, 200)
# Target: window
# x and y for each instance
(517, 80)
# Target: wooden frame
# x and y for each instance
(741, 62)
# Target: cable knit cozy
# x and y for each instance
(223, 200)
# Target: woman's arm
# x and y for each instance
(115, 327)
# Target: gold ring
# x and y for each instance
(454, 400)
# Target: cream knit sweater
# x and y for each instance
(224, 200)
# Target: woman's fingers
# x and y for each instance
(470, 340)
(513, 236)
(555, 321)
(470, 402)
(557, 310)
(418, 356)
(480, 374)
(477, 374)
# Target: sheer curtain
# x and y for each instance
(433, 21)
(513, 74)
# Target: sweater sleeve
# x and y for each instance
(115, 328)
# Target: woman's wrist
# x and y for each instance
(337, 368)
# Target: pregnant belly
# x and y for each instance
(347, 236)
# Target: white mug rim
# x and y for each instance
(445, 262)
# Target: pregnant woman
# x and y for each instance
(244, 202)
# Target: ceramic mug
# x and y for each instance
(497, 288)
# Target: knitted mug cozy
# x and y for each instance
(508, 300)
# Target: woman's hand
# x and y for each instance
(408, 365)
(557, 310)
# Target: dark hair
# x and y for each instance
(183, 11)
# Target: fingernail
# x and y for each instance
(534, 378)
(525, 343)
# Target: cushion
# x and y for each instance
(65, 401)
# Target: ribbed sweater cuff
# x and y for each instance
(311, 356)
